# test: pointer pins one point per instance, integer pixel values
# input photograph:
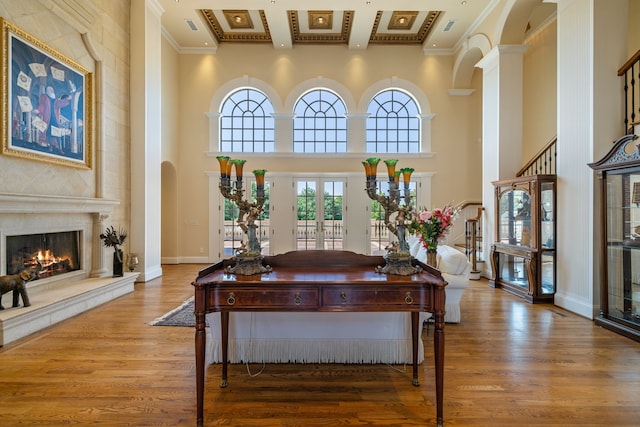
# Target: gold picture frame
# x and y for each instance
(46, 105)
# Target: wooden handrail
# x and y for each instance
(539, 154)
(463, 204)
(627, 65)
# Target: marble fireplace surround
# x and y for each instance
(62, 296)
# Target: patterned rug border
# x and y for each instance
(180, 316)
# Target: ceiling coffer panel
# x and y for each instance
(400, 20)
(317, 18)
(238, 21)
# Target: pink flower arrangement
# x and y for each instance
(431, 226)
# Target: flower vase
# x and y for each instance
(432, 258)
(118, 262)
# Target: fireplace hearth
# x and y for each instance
(48, 254)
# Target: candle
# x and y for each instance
(391, 168)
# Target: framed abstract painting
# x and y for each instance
(46, 101)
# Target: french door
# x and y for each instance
(320, 214)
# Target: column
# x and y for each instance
(98, 268)
(592, 45)
(146, 119)
(501, 126)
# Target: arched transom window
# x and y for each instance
(393, 123)
(320, 123)
(246, 122)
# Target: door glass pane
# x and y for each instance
(547, 215)
(623, 247)
(513, 270)
(333, 225)
(306, 215)
(263, 219)
(232, 232)
(515, 218)
(548, 272)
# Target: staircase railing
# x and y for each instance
(459, 235)
(473, 241)
(630, 70)
(544, 162)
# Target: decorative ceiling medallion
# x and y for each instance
(320, 19)
(238, 19)
(402, 20)
(341, 37)
(236, 36)
(407, 38)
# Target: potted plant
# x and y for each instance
(113, 238)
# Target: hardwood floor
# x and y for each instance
(508, 363)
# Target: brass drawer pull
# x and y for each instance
(231, 299)
(297, 299)
(408, 298)
(343, 297)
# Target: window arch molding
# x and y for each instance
(320, 83)
(224, 91)
(423, 103)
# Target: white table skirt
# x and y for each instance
(283, 337)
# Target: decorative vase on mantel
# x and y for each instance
(118, 262)
(432, 258)
(112, 238)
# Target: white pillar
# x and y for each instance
(357, 133)
(283, 123)
(146, 119)
(501, 127)
(592, 37)
(98, 268)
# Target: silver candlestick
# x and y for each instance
(398, 258)
(248, 256)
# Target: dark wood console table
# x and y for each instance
(326, 281)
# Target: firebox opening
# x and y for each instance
(48, 254)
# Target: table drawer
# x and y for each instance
(381, 298)
(244, 298)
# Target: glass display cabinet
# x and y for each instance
(619, 173)
(524, 254)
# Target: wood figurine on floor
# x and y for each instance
(16, 283)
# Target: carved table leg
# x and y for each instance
(200, 341)
(438, 349)
(415, 320)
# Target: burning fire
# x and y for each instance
(47, 258)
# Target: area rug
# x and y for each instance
(179, 316)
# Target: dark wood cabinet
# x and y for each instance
(524, 253)
(619, 179)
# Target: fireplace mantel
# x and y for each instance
(30, 203)
(57, 299)
(26, 205)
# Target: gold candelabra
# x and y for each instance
(248, 256)
(398, 258)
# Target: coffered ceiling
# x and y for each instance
(207, 25)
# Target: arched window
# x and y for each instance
(320, 123)
(246, 122)
(393, 123)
